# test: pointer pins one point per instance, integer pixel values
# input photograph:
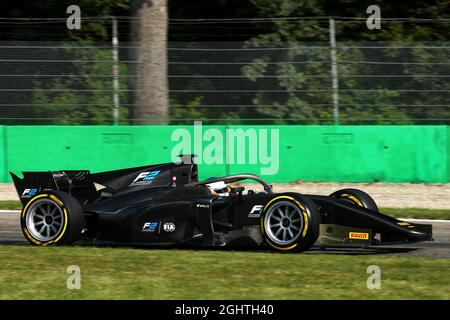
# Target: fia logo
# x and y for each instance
(169, 227)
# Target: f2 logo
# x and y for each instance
(374, 20)
(150, 227)
(27, 193)
(147, 176)
(73, 21)
(256, 211)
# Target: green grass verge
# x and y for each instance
(10, 205)
(394, 212)
(127, 273)
(417, 213)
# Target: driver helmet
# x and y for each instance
(220, 188)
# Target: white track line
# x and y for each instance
(10, 211)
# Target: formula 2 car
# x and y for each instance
(166, 204)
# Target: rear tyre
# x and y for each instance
(290, 223)
(52, 218)
(356, 197)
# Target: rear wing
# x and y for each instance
(84, 185)
(76, 182)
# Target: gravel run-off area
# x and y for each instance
(388, 195)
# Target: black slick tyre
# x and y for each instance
(356, 197)
(290, 223)
(52, 218)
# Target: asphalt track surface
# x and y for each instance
(10, 234)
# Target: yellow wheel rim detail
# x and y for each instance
(60, 203)
(305, 216)
(353, 199)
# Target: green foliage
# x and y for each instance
(300, 93)
(82, 93)
(85, 94)
(379, 104)
(91, 28)
(98, 29)
(180, 114)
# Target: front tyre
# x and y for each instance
(52, 218)
(290, 223)
(356, 197)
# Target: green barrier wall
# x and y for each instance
(362, 154)
(448, 153)
(311, 153)
(3, 165)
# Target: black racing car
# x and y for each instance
(166, 204)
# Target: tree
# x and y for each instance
(72, 82)
(83, 95)
(374, 100)
(150, 82)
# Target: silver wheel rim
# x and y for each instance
(283, 223)
(44, 220)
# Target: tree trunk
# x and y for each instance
(150, 101)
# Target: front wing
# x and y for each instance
(344, 224)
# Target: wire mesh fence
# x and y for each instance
(247, 82)
(378, 83)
